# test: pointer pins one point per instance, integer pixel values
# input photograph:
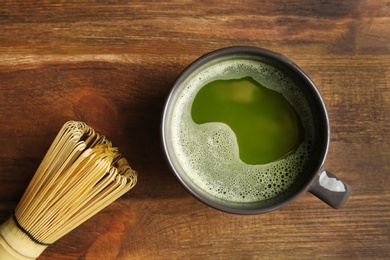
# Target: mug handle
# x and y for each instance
(330, 189)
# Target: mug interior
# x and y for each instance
(320, 122)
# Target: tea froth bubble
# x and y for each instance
(209, 153)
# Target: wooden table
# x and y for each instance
(112, 64)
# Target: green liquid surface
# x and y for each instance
(266, 126)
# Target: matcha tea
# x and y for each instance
(266, 126)
(240, 130)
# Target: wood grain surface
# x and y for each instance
(112, 64)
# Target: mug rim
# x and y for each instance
(260, 52)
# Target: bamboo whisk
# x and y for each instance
(80, 174)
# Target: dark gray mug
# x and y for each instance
(312, 176)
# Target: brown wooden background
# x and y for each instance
(112, 64)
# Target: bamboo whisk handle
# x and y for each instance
(16, 245)
(8, 253)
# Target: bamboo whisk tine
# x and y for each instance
(80, 174)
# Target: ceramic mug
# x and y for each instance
(253, 189)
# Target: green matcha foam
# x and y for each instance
(209, 154)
